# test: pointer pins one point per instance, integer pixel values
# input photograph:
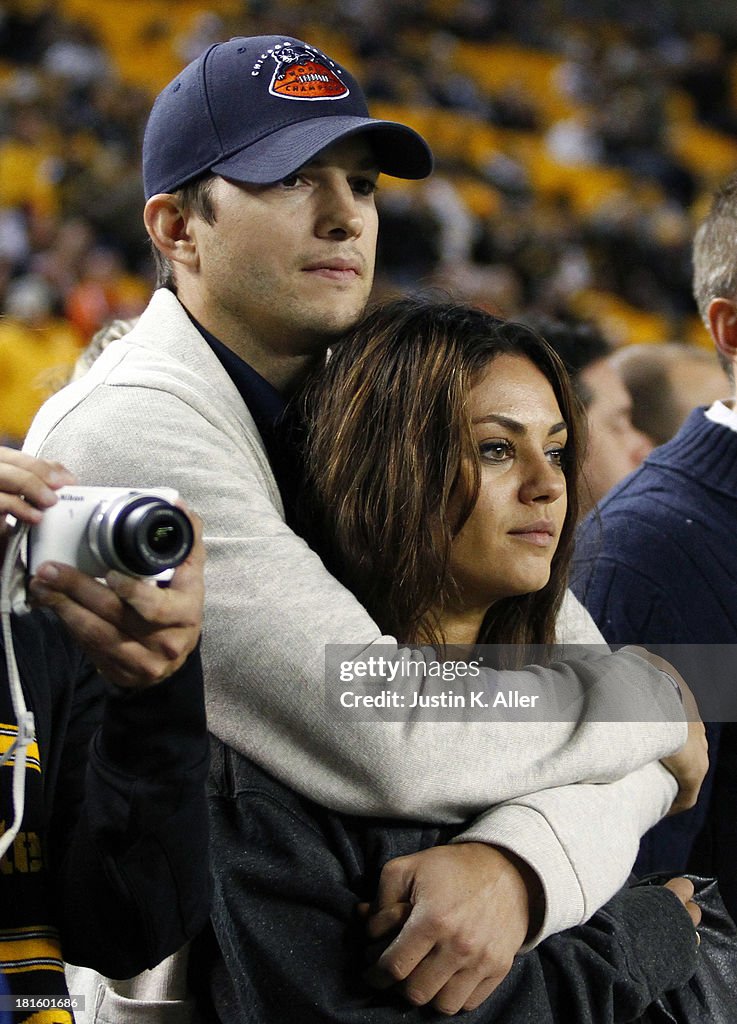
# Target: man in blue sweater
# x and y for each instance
(656, 564)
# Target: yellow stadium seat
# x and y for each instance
(709, 154)
(621, 322)
(496, 67)
(695, 333)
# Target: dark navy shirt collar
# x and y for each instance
(264, 402)
(278, 422)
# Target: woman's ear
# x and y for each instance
(168, 226)
(722, 315)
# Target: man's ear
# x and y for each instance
(722, 316)
(168, 227)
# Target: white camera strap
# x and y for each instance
(26, 726)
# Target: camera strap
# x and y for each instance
(26, 727)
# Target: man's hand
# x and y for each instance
(464, 911)
(136, 633)
(690, 764)
(27, 487)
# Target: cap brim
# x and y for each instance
(401, 152)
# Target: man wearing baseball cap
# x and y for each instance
(260, 163)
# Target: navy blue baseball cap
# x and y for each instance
(256, 109)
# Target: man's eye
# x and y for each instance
(496, 451)
(364, 186)
(291, 181)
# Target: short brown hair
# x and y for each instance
(195, 196)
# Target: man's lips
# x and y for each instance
(335, 269)
(540, 533)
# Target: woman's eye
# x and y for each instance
(556, 456)
(496, 451)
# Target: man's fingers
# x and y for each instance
(53, 473)
(402, 955)
(470, 913)
(395, 883)
(28, 484)
(689, 765)
(694, 912)
(117, 653)
(14, 505)
(136, 633)
(196, 559)
(86, 607)
(136, 607)
(55, 585)
(27, 487)
(92, 630)
(464, 991)
(183, 595)
(451, 972)
(481, 993)
(145, 606)
(388, 920)
(429, 977)
(382, 928)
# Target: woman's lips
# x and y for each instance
(541, 533)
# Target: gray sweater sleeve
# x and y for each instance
(272, 608)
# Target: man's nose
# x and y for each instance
(339, 215)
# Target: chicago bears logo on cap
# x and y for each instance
(305, 75)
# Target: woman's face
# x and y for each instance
(507, 544)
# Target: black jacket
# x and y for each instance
(112, 855)
(289, 946)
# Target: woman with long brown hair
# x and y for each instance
(401, 457)
(443, 449)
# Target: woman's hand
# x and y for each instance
(684, 890)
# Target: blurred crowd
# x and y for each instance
(574, 156)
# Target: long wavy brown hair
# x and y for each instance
(394, 471)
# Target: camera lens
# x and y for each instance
(144, 535)
(163, 538)
(152, 535)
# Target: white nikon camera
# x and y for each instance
(96, 529)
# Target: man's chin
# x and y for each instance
(332, 325)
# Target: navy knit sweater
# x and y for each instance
(657, 565)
